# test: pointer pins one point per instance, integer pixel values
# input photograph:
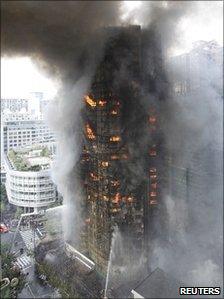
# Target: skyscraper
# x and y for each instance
(121, 150)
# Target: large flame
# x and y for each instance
(90, 101)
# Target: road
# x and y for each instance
(33, 288)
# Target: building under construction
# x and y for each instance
(121, 157)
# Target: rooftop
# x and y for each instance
(30, 159)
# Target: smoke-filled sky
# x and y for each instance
(204, 21)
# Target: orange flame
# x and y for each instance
(105, 164)
(114, 112)
(115, 138)
(102, 103)
(90, 133)
(90, 101)
(117, 198)
(94, 177)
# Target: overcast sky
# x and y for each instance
(20, 76)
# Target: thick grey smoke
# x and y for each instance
(193, 133)
(65, 40)
(192, 128)
(195, 224)
(164, 17)
(60, 35)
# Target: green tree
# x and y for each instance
(3, 193)
(18, 212)
(45, 152)
(2, 207)
(11, 272)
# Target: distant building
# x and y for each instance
(29, 183)
(35, 99)
(14, 104)
(43, 105)
(191, 71)
(21, 115)
(20, 133)
(196, 171)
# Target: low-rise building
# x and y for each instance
(28, 178)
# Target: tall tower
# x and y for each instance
(120, 184)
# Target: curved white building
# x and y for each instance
(32, 190)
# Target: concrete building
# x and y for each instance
(14, 105)
(194, 70)
(28, 182)
(16, 116)
(20, 133)
(34, 107)
(195, 165)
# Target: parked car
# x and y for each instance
(3, 228)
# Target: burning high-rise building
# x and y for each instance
(121, 156)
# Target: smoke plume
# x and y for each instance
(65, 41)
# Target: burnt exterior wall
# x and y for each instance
(121, 150)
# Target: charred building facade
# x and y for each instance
(121, 157)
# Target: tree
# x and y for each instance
(2, 207)
(3, 193)
(16, 278)
(18, 212)
(45, 152)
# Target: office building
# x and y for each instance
(20, 133)
(14, 104)
(28, 178)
